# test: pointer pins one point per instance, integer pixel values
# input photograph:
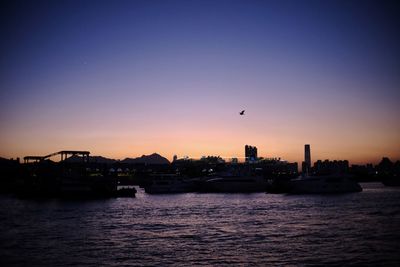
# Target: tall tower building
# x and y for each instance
(307, 159)
(307, 155)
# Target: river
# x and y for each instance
(205, 229)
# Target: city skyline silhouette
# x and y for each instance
(199, 133)
(138, 77)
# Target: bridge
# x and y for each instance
(64, 155)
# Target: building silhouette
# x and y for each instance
(306, 166)
(250, 153)
(328, 167)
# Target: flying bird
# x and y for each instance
(242, 112)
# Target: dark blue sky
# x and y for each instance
(319, 66)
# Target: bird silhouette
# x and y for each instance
(242, 112)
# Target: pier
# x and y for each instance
(64, 155)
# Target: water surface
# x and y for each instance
(205, 229)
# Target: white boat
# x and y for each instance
(234, 184)
(325, 184)
(169, 184)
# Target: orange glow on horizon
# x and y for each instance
(216, 144)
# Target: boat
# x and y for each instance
(86, 186)
(234, 184)
(393, 180)
(169, 184)
(278, 185)
(324, 184)
(126, 191)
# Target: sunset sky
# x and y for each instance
(126, 78)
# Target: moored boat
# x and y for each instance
(393, 180)
(169, 184)
(325, 184)
(234, 184)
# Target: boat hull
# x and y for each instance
(234, 185)
(323, 185)
(169, 187)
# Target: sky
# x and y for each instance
(127, 78)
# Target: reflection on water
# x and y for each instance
(205, 229)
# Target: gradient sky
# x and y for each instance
(126, 78)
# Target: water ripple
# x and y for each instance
(205, 230)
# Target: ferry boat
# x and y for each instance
(234, 184)
(391, 181)
(325, 184)
(169, 184)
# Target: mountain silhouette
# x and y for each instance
(154, 158)
(102, 160)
